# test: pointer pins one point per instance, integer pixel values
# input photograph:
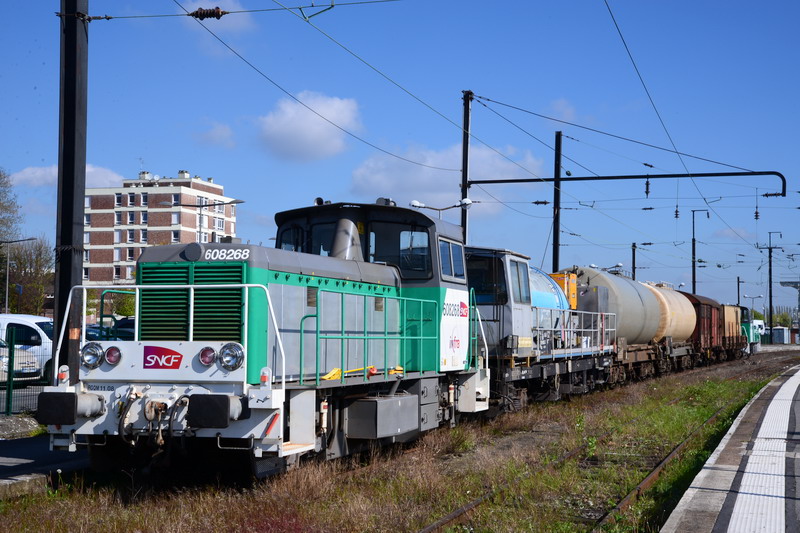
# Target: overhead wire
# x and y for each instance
(608, 134)
(661, 120)
(311, 109)
(233, 12)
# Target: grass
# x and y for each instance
(406, 490)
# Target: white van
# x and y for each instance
(31, 333)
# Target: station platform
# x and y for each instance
(750, 482)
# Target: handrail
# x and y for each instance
(343, 336)
(191, 288)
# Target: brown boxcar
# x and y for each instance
(707, 333)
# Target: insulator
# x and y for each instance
(677, 213)
(647, 188)
(202, 14)
(757, 216)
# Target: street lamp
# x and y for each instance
(753, 300)
(694, 247)
(464, 204)
(8, 262)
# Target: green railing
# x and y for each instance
(403, 336)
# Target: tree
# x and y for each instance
(782, 319)
(33, 264)
(757, 315)
(10, 217)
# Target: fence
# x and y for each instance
(21, 375)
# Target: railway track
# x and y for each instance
(461, 514)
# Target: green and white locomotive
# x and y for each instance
(357, 328)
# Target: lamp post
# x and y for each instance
(201, 207)
(8, 263)
(753, 300)
(464, 204)
(694, 250)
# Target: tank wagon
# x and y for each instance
(366, 324)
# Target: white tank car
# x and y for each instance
(678, 316)
(637, 308)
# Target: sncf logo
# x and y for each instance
(464, 309)
(161, 358)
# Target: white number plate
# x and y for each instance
(227, 254)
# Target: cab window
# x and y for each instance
(451, 259)
(519, 282)
(487, 279)
(403, 246)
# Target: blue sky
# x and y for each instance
(165, 95)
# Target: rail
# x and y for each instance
(137, 290)
(366, 337)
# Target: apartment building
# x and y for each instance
(150, 211)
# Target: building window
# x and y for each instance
(219, 224)
(117, 271)
(144, 235)
(201, 221)
(130, 235)
(117, 236)
(85, 273)
(131, 217)
(129, 272)
(130, 254)
(87, 220)
(118, 199)
(131, 199)
(219, 208)
(176, 218)
(233, 228)
(233, 210)
(203, 237)
(87, 202)
(117, 254)
(117, 218)
(86, 237)
(144, 198)
(176, 236)
(144, 217)
(176, 199)
(86, 256)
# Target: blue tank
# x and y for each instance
(545, 292)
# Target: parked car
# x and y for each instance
(26, 367)
(33, 334)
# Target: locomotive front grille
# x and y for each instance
(218, 313)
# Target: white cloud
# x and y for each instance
(735, 234)
(48, 176)
(230, 24)
(293, 132)
(217, 135)
(383, 175)
(563, 109)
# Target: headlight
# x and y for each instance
(231, 356)
(113, 355)
(92, 355)
(207, 356)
